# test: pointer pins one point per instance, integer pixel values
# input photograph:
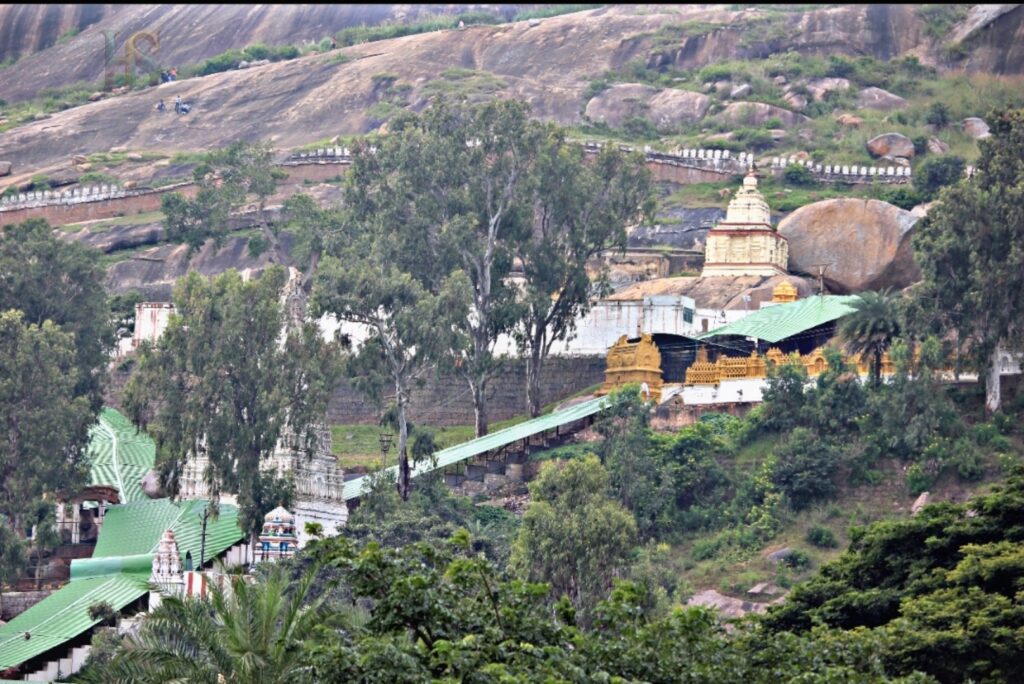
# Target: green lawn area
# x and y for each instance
(359, 445)
(107, 224)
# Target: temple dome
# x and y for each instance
(749, 205)
(279, 515)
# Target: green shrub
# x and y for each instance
(800, 176)
(935, 173)
(938, 115)
(797, 559)
(822, 537)
(902, 197)
(920, 145)
(918, 480)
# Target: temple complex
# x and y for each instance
(745, 243)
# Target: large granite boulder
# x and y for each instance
(619, 103)
(5, 168)
(891, 145)
(883, 100)
(757, 113)
(819, 87)
(672, 107)
(976, 128)
(866, 243)
(663, 108)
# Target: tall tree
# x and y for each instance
(580, 208)
(872, 327)
(44, 421)
(224, 381)
(573, 536)
(361, 281)
(225, 180)
(49, 279)
(252, 633)
(457, 178)
(970, 251)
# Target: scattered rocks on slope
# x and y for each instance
(891, 145)
(796, 101)
(849, 120)
(727, 605)
(936, 146)
(876, 98)
(865, 242)
(672, 107)
(923, 500)
(757, 113)
(740, 92)
(780, 555)
(976, 128)
(819, 87)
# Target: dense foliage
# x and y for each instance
(227, 381)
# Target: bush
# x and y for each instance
(918, 480)
(803, 468)
(840, 67)
(799, 176)
(938, 115)
(920, 145)
(936, 173)
(822, 537)
(902, 197)
(797, 559)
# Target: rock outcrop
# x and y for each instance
(757, 113)
(663, 108)
(876, 98)
(866, 243)
(891, 145)
(819, 87)
(976, 128)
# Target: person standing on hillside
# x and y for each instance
(177, 104)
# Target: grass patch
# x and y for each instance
(459, 82)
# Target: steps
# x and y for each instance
(62, 668)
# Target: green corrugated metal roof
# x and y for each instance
(117, 573)
(64, 614)
(119, 455)
(778, 322)
(354, 488)
(136, 528)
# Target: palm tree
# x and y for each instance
(250, 634)
(871, 328)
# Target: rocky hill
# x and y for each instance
(551, 63)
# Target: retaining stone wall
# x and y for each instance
(446, 401)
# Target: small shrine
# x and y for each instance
(784, 293)
(745, 243)
(166, 578)
(634, 362)
(278, 539)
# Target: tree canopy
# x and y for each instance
(227, 382)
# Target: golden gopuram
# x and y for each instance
(704, 372)
(633, 362)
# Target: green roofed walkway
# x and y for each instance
(117, 573)
(119, 456)
(774, 323)
(355, 488)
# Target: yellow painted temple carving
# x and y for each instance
(704, 372)
(633, 362)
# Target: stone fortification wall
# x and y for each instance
(681, 166)
(446, 401)
(845, 173)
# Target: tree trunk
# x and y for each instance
(404, 472)
(993, 390)
(533, 366)
(877, 370)
(479, 408)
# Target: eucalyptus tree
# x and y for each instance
(580, 209)
(225, 380)
(971, 251)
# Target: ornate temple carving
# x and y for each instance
(745, 243)
(634, 362)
